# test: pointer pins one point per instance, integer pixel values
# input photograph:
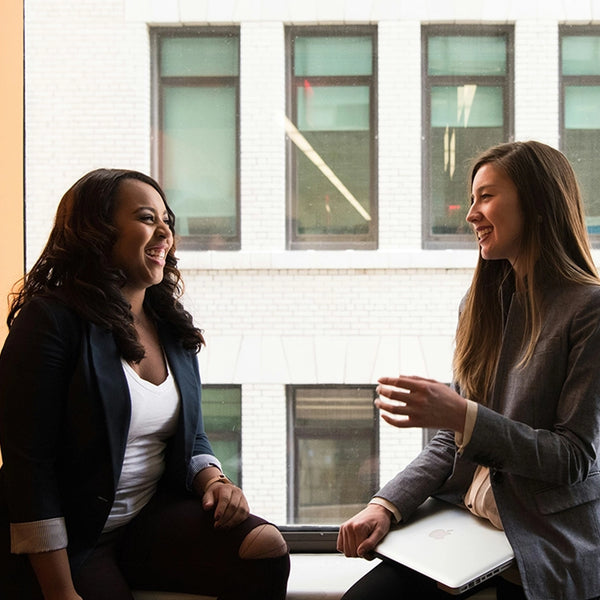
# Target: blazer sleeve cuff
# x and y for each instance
(198, 463)
(462, 439)
(387, 504)
(38, 536)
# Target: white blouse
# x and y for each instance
(154, 413)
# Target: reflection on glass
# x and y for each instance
(464, 121)
(332, 112)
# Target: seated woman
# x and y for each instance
(519, 435)
(108, 481)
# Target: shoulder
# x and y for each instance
(573, 297)
(49, 314)
(51, 307)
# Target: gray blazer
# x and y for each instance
(540, 437)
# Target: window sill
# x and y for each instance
(327, 259)
(312, 577)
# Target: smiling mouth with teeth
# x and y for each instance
(482, 233)
(156, 253)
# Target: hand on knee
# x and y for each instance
(264, 541)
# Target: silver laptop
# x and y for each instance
(449, 545)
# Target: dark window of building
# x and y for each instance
(580, 114)
(196, 144)
(331, 126)
(334, 452)
(467, 107)
(222, 413)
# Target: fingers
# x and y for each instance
(359, 536)
(231, 506)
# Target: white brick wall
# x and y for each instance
(536, 81)
(399, 136)
(271, 316)
(262, 103)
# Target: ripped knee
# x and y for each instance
(264, 541)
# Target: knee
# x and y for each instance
(264, 541)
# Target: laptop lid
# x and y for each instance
(449, 545)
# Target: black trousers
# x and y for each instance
(171, 546)
(389, 581)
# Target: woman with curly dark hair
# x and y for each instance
(108, 481)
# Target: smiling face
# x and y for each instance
(496, 214)
(144, 237)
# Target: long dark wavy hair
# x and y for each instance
(75, 265)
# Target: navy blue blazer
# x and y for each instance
(64, 418)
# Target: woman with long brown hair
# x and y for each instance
(519, 429)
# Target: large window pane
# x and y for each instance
(580, 140)
(466, 55)
(464, 121)
(198, 153)
(331, 141)
(335, 444)
(467, 94)
(349, 55)
(199, 56)
(580, 55)
(222, 413)
(199, 158)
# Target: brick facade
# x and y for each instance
(274, 317)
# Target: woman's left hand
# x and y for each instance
(229, 503)
(420, 402)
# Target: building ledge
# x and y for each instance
(326, 259)
(312, 577)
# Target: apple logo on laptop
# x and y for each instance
(440, 534)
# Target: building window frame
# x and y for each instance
(158, 83)
(570, 30)
(295, 240)
(226, 435)
(295, 434)
(506, 82)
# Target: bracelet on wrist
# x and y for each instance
(218, 479)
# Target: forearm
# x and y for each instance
(203, 478)
(54, 575)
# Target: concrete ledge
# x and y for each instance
(312, 577)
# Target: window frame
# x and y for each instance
(225, 435)
(367, 241)
(438, 241)
(571, 30)
(201, 241)
(293, 452)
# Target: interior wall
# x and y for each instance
(11, 152)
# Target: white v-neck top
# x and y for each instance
(154, 413)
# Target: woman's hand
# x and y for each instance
(54, 575)
(359, 535)
(229, 502)
(419, 402)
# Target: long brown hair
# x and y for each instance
(554, 246)
(75, 266)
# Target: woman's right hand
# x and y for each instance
(54, 575)
(359, 535)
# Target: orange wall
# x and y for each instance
(11, 151)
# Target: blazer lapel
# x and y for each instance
(113, 392)
(188, 383)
